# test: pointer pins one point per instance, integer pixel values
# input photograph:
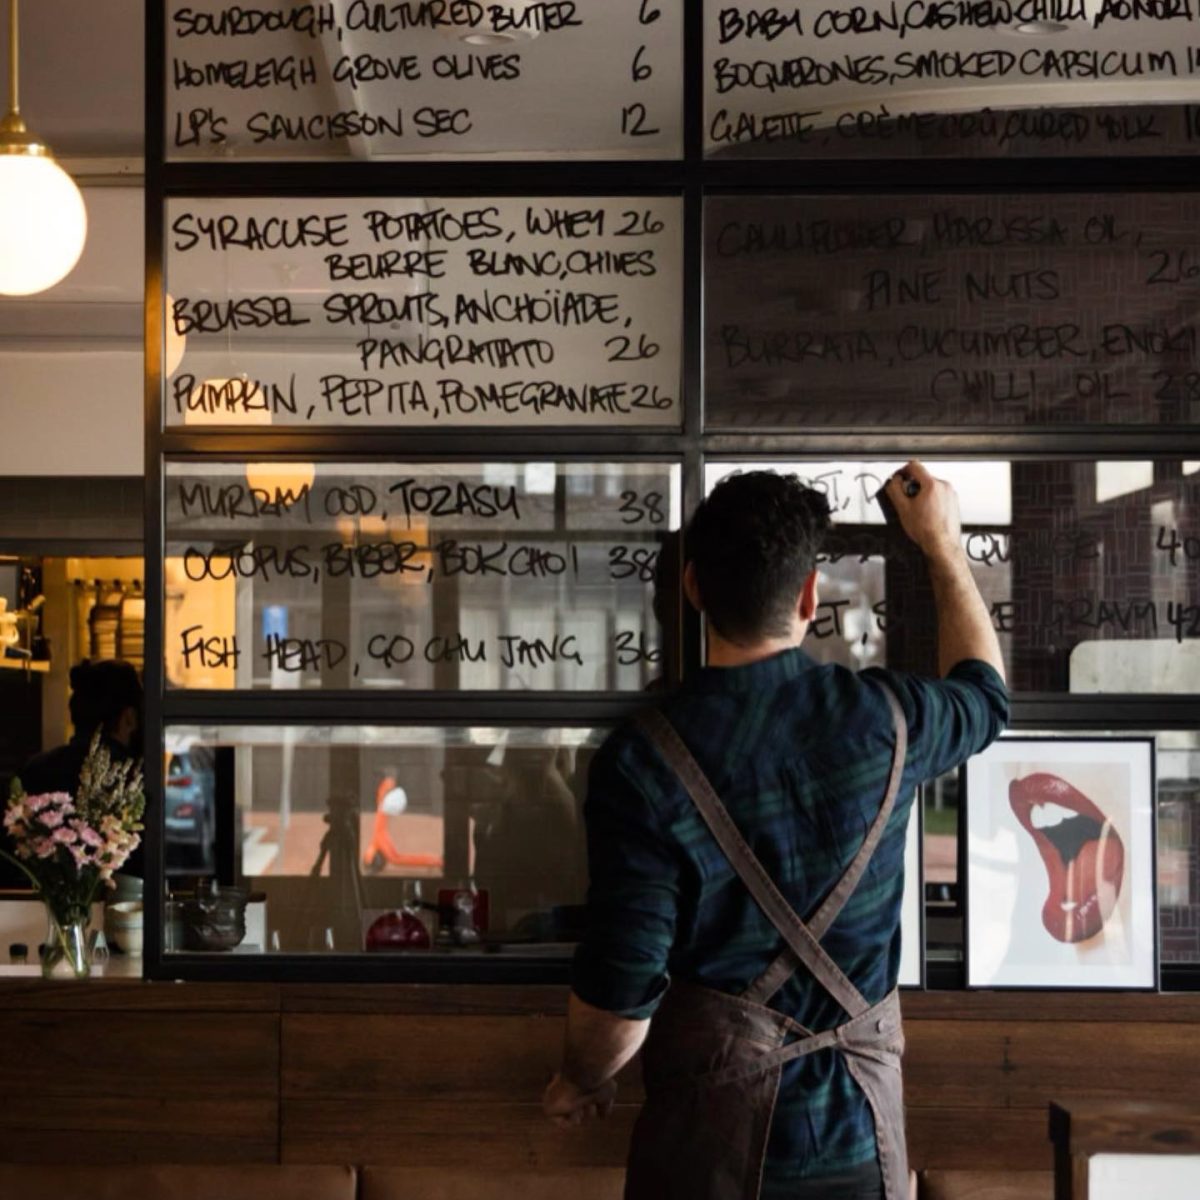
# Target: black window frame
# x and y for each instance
(691, 178)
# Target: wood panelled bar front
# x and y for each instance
(1131, 1129)
(425, 1075)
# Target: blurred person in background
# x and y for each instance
(106, 696)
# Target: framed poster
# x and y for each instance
(912, 905)
(1060, 857)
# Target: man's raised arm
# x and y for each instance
(931, 518)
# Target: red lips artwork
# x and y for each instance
(1083, 854)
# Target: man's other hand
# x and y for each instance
(567, 1104)
(930, 516)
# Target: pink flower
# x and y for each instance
(44, 847)
(59, 800)
(64, 836)
(51, 818)
(89, 836)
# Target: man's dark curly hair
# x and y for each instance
(752, 543)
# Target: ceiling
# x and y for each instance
(82, 75)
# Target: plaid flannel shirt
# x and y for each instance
(799, 753)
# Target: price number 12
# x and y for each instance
(634, 117)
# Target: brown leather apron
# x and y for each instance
(713, 1062)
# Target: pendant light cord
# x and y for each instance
(14, 106)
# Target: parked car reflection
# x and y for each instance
(189, 807)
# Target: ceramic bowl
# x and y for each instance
(123, 926)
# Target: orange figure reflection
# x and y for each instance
(391, 800)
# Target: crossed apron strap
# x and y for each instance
(802, 941)
(784, 967)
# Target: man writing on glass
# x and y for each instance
(745, 848)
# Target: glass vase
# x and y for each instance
(67, 953)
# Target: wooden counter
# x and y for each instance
(184, 1072)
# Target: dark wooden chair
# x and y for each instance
(1084, 1128)
(986, 1185)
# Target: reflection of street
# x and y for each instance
(941, 858)
(413, 833)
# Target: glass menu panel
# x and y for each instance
(357, 79)
(1091, 571)
(454, 576)
(997, 311)
(358, 312)
(476, 832)
(1003, 79)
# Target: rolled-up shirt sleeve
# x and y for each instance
(633, 896)
(950, 719)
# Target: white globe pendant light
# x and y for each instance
(43, 222)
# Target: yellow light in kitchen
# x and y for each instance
(43, 221)
(175, 343)
(280, 478)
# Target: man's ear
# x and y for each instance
(691, 589)
(806, 608)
